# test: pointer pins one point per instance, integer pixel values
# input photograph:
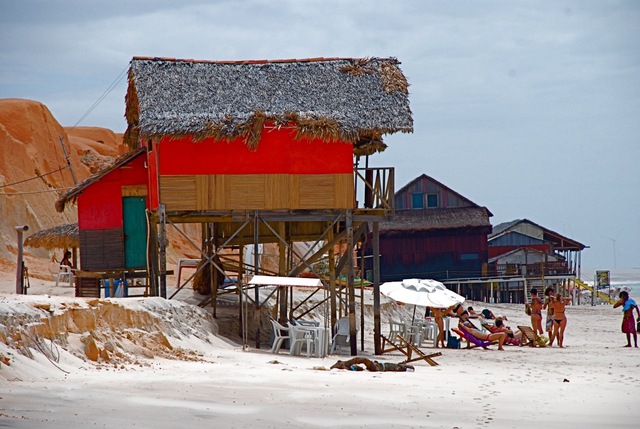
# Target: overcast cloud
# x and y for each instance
(531, 109)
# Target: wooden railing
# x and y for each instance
(534, 270)
(374, 188)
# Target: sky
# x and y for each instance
(531, 109)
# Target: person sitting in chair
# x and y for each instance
(472, 313)
(459, 312)
(470, 328)
(66, 259)
(514, 338)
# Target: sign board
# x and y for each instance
(603, 279)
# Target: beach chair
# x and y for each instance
(342, 334)
(281, 334)
(471, 339)
(65, 275)
(530, 338)
(406, 348)
(298, 337)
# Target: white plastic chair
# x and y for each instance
(281, 334)
(65, 275)
(298, 337)
(397, 328)
(342, 334)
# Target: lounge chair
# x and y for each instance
(471, 339)
(406, 348)
(530, 338)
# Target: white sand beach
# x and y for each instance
(593, 382)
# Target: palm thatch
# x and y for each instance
(59, 237)
(436, 219)
(353, 100)
(72, 194)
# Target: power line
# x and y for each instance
(33, 178)
(102, 97)
(35, 192)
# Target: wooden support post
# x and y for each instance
(282, 271)
(256, 271)
(239, 286)
(332, 279)
(353, 340)
(152, 253)
(377, 334)
(215, 273)
(163, 251)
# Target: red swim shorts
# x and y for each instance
(629, 325)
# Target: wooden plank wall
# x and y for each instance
(257, 192)
(102, 249)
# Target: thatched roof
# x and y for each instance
(59, 237)
(356, 100)
(72, 194)
(436, 219)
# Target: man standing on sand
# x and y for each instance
(536, 312)
(628, 324)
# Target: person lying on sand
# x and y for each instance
(374, 366)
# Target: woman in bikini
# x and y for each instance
(536, 312)
(472, 330)
(548, 293)
(459, 312)
(438, 313)
(559, 319)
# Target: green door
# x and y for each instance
(135, 232)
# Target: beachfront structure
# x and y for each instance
(524, 247)
(436, 233)
(261, 152)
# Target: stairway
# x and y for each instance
(582, 285)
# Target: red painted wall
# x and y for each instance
(277, 153)
(501, 250)
(100, 204)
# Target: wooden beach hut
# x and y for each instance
(435, 233)
(260, 152)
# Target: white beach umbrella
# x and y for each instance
(422, 292)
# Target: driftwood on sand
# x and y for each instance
(374, 366)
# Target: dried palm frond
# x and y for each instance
(358, 67)
(393, 79)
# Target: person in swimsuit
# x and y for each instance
(459, 312)
(628, 324)
(559, 319)
(438, 313)
(512, 337)
(471, 329)
(536, 312)
(548, 293)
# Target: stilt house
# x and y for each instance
(261, 152)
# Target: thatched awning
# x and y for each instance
(59, 237)
(354, 100)
(72, 194)
(437, 219)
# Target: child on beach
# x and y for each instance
(628, 324)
